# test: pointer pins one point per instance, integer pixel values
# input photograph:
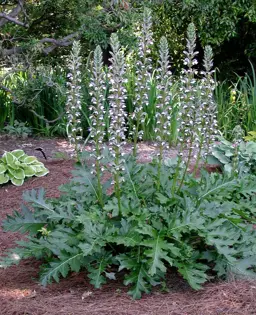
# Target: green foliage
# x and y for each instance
(92, 20)
(237, 104)
(229, 27)
(16, 166)
(95, 20)
(41, 97)
(225, 152)
(5, 106)
(19, 129)
(38, 98)
(203, 230)
(251, 136)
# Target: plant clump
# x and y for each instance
(19, 130)
(15, 166)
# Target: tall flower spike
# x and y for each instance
(188, 110)
(206, 120)
(164, 111)
(189, 124)
(188, 88)
(73, 105)
(143, 74)
(117, 96)
(97, 89)
(210, 124)
(97, 131)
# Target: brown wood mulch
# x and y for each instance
(21, 294)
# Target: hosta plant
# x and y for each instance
(19, 130)
(15, 166)
(230, 156)
(204, 230)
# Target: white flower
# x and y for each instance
(73, 105)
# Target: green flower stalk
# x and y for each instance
(143, 75)
(164, 111)
(97, 130)
(73, 105)
(237, 134)
(117, 128)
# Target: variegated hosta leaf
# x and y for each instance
(43, 172)
(36, 168)
(10, 159)
(2, 168)
(30, 160)
(4, 179)
(18, 153)
(18, 174)
(23, 157)
(37, 163)
(28, 170)
(17, 182)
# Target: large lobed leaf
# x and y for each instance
(23, 221)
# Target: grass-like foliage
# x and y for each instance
(206, 229)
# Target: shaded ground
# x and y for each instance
(146, 150)
(21, 294)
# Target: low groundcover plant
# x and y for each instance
(150, 217)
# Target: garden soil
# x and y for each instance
(21, 293)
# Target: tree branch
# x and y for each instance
(62, 42)
(46, 120)
(12, 15)
(6, 89)
(12, 19)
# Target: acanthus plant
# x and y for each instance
(202, 228)
(73, 105)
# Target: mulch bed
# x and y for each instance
(21, 294)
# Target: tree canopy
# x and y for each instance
(47, 27)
